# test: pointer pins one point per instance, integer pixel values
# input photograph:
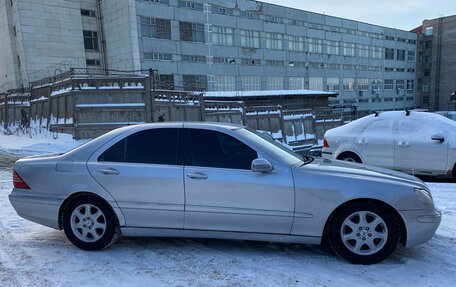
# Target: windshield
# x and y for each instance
(272, 146)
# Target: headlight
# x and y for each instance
(423, 194)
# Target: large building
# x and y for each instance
(436, 68)
(230, 45)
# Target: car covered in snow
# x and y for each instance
(419, 143)
(212, 180)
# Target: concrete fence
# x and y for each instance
(88, 106)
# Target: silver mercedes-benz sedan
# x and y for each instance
(212, 180)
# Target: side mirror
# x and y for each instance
(261, 165)
(438, 137)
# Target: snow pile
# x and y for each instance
(40, 143)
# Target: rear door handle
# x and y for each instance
(109, 171)
(362, 142)
(197, 175)
(403, 144)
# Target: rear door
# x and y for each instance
(145, 176)
(223, 194)
(376, 142)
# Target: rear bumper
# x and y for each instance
(421, 225)
(39, 208)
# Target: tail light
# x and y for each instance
(18, 182)
(325, 143)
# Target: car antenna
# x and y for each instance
(407, 112)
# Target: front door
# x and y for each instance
(223, 194)
(143, 174)
(416, 152)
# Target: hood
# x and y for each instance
(345, 168)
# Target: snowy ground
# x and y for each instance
(32, 255)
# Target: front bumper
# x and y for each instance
(421, 225)
(39, 208)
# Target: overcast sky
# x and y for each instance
(401, 14)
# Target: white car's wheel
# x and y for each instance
(350, 157)
(89, 223)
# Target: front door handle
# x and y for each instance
(197, 175)
(109, 171)
(403, 144)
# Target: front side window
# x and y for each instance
(154, 146)
(206, 148)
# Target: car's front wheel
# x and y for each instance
(364, 232)
(89, 223)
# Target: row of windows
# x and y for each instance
(255, 83)
(276, 63)
(202, 148)
(280, 20)
(373, 99)
(195, 32)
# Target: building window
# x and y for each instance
(429, 31)
(191, 5)
(349, 84)
(332, 84)
(158, 1)
(376, 84)
(251, 83)
(411, 56)
(274, 41)
(427, 72)
(400, 85)
(316, 83)
(377, 52)
(250, 14)
(155, 28)
(348, 49)
(400, 55)
(93, 62)
(166, 82)
(410, 85)
(195, 82)
(332, 47)
(88, 13)
(222, 35)
(428, 44)
(315, 46)
(224, 83)
(274, 19)
(193, 58)
(275, 83)
(389, 85)
(251, 62)
(296, 83)
(363, 84)
(158, 56)
(221, 10)
(363, 51)
(90, 40)
(274, 63)
(389, 38)
(389, 54)
(427, 59)
(296, 43)
(426, 87)
(402, 40)
(250, 39)
(224, 60)
(191, 32)
(348, 67)
(333, 66)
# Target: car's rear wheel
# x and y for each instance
(350, 157)
(364, 232)
(89, 223)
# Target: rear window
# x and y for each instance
(154, 146)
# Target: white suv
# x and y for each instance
(414, 142)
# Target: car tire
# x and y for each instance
(350, 157)
(364, 233)
(90, 223)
